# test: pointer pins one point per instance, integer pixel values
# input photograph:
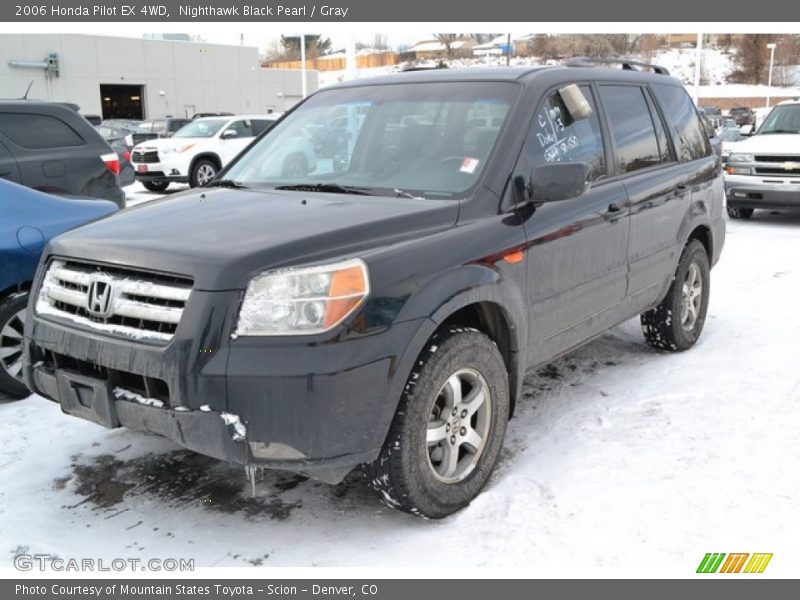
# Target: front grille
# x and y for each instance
(778, 171)
(114, 300)
(145, 156)
(777, 159)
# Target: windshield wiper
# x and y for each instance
(780, 131)
(228, 183)
(406, 194)
(333, 188)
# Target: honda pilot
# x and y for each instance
(380, 309)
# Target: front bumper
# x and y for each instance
(758, 191)
(314, 406)
(165, 170)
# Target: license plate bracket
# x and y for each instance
(87, 398)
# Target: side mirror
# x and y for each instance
(229, 133)
(553, 182)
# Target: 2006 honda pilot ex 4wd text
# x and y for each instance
(457, 228)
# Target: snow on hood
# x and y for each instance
(774, 143)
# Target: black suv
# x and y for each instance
(382, 308)
(50, 147)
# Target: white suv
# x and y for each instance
(197, 151)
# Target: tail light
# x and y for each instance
(126, 155)
(112, 162)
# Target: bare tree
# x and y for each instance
(447, 39)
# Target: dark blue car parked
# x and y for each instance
(28, 219)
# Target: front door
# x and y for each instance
(577, 248)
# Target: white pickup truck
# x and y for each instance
(764, 170)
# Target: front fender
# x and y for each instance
(448, 293)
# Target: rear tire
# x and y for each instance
(12, 321)
(156, 186)
(740, 213)
(676, 323)
(449, 427)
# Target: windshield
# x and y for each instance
(420, 139)
(782, 119)
(204, 128)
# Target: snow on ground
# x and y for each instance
(620, 461)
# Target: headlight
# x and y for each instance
(736, 157)
(304, 300)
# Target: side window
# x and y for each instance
(242, 129)
(632, 129)
(259, 126)
(176, 124)
(556, 137)
(36, 132)
(663, 140)
(681, 113)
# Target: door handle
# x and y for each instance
(614, 208)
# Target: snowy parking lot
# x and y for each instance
(620, 461)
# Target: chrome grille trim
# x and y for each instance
(142, 305)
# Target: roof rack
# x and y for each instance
(627, 65)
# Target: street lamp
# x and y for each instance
(771, 63)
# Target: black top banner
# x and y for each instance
(453, 11)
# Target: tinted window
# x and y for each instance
(242, 129)
(632, 129)
(38, 131)
(261, 125)
(663, 142)
(176, 124)
(682, 115)
(556, 137)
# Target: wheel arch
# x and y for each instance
(478, 297)
(212, 156)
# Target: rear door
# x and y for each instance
(8, 166)
(42, 145)
(657, 225)
(655, 181)
(577, 248)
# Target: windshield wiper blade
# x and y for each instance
(333, 188)
(228, 183)
(780, 131)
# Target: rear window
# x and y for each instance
(36, 132)
(680, 112)
(632, 128)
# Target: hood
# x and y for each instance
(170, 142)
(222, 237)
(771, 143)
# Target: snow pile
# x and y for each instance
(239, 429)
(123, 394)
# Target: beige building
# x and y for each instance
(145, 78)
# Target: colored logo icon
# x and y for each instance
(719, 562)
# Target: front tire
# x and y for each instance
(156, 186)
(12, 322)
(676, 323)
(202, 173)
(739, 213)
(449, 427)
